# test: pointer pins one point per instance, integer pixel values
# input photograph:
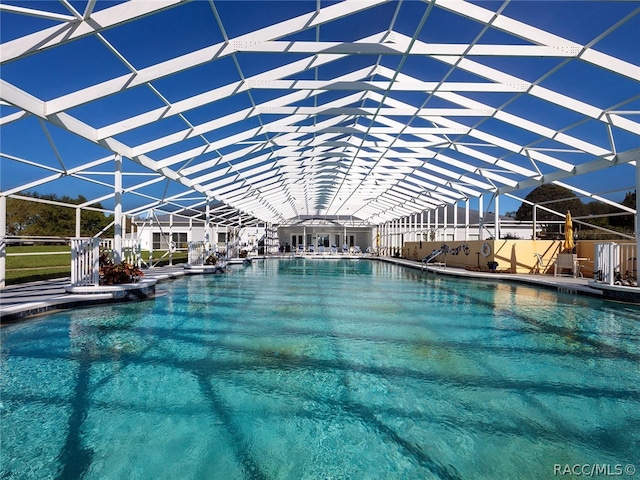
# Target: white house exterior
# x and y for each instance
(175, 234)
(168, 232)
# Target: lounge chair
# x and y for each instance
(566, 262)
(541, 264)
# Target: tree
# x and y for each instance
(597, 212)
(625, 222)
(21, 216)
(568, 201)
(28, 218)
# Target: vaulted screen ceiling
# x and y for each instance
(281, 110)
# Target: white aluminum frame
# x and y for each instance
(355, 153)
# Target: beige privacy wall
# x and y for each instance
(515, 255)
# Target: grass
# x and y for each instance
(54, 261)
(42, 263)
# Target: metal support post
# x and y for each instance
(117, 211)
(3, 240)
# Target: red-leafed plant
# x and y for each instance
(112, 273)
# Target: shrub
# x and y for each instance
(112, 273)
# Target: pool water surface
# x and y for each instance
(310, 369)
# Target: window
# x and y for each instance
(161, 242)
(180, 240)
(156, 241)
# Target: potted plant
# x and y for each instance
(492, 266)
(112, 273)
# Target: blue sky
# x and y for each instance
(62, 70)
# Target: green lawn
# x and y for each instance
(40, 264)
(43, 264)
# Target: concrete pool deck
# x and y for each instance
(562, 284)
(25, 300)
(29, 299)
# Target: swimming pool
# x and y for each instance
(309, 369)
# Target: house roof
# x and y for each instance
(370, 110)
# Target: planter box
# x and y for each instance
(124, 292)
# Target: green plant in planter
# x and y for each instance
(112, 273)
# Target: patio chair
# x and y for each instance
(541, 264)
(566, 262)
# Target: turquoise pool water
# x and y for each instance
(323, 370)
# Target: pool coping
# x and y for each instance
(564, 284)
(28, 300)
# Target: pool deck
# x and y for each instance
(25, 300)
(562, 284)
(29, 299)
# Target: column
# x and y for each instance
(207, 227)
(117, 211)
(445, 222)
(435, 223)
(151, 242)
(387, 245)
(345, 242)
(496, 224)
(78, 220)
(466, 220)
(480, 218)
(3, 240)
(226, 241)
(637, 223)
(455, 221)
(171, 244)
(414, 234)
(394, 237)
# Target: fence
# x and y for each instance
(616, 263)
(85, 261)
(197, 253)
(132, 252)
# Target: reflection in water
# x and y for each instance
(312, 369)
